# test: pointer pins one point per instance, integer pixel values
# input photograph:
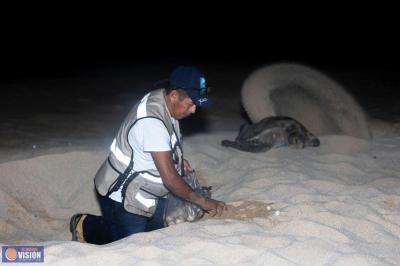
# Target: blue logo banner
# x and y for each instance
(22, 254)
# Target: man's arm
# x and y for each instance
(175, 183)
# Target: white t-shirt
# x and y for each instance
(147, 135)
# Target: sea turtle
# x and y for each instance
(271, 132)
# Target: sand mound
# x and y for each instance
(340, 144)
(39, 195)
(307, 95)
(380, 128)
(244, 210)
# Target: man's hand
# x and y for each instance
(186, 166)
(214, 207)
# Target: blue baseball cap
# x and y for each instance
(192, 81)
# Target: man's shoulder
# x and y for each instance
(150, 126)
(150, 121)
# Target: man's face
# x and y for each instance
(183, 107)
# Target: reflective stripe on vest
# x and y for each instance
(141, 112)
(119, 155)
(146, 202)
(173, 140)
(152, 178)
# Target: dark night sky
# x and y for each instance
(64, 60)
(31, 51)
(48, 48)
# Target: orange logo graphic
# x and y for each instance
(11, 254)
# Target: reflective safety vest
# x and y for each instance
(140, 190)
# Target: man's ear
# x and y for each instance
(174, 96)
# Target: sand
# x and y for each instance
(339, 208)
(319, 102)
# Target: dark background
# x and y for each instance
(42, 50)
(50, 40)
(62, 79)
(362, 53)
(64, 59)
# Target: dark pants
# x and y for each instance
(116, 223)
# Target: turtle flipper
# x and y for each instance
(247, 146)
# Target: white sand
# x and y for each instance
(338, 204)
(340, 208)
